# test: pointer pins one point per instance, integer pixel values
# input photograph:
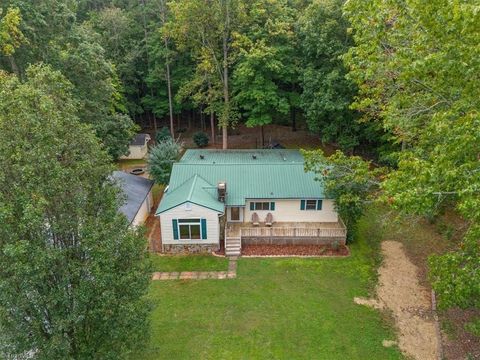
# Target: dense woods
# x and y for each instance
(394, 81)
(208, 65)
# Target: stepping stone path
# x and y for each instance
(231, 273)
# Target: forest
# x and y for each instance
(393, 86)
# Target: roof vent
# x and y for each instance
(222, 191)
(254, 157)
(202, 157)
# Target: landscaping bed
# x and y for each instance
(293, 250)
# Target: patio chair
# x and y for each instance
(255, 219)
(269, 219)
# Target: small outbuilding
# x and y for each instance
(138, 148)
(138, 197)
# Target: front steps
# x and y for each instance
(233, 246)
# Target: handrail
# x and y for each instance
(292, 232)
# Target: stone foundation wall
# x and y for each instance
(189, 248)
(293, 241)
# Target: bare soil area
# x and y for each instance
(400, 292)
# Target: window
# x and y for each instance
(311, 204)
(189, 229)
(264, 205)
(235, 213)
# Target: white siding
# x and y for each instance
(289, 211)
(144, 211)
(136, 152)
(196, 211)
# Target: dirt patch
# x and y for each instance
(400, 292)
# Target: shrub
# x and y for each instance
(161, 159)
(163, 135)
(200, 139)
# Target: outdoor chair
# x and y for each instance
(269, 219)
(255, 219)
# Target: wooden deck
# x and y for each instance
(287, 230)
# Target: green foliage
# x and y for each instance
(72, 274)
(347, 180)
(161, 159)
(264, 66)
(163, 135)
(75, 51)
(327, 94)
(415, 64)
(200, 139)
(11, 36)
(473, 327)
(455, 275)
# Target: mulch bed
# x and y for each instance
(293, 250)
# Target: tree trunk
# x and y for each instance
(13, 65)
(226, 95)
(163, 11)
(212, 126)
(145, 39)
(293, 112)
(263, 137)
(293, 115)
(202, 119)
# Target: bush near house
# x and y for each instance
(200, 139)
(163, 135)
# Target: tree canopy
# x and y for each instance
(72, 274)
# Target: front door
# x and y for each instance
(236, 214)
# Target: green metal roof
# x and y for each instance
(249, 174)
(195, 190)
(254, 157)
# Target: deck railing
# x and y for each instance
(297, 232)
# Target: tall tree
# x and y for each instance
(72, 274)
(416, 64)
(75, 50)
(11, 36)
(327, 94)
(206, 28)
(265, 68)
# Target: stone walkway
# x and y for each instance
(231, 273)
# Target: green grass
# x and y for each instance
(125, 164)
(189, 263)
(275, 309)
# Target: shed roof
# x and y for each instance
(135, 189)
(249, 174)
(140, 140)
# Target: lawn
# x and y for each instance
(275, 309)
(189, 263)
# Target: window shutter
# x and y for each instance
(175, 229)
(302, 204)
(272, 206)
(252, 206)
(319, 204)
(204, 229)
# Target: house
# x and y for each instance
(138, 147)
(245, 197)
(137, 191)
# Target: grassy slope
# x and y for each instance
(276, 308)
